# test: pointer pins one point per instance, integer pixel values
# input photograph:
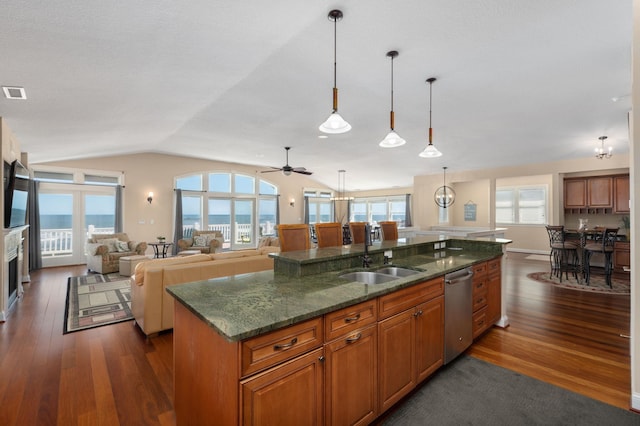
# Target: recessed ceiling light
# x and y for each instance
(322, 136)
(13, 92)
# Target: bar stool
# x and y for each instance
(564, 254)
(603, 243)
(329, 234)
(357, 232)
(294, 237)
(389, 230)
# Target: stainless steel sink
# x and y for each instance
(397, 271)
(368, 277)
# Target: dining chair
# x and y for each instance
(388, 230)
(603, 243)
(563, 256)
(293, 237)
(357, 232)
(329, 234)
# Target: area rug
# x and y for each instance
(95, 300)
(597, 283)
(473, 392)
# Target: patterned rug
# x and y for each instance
(597, 283)
(95, 300)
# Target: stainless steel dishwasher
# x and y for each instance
(458, 299)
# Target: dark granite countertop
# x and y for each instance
(247, 305)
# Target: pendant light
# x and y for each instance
(430, 151)
(392, 139)
(335, 123)
(341, 188)
(445, 195)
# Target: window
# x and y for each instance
(525, 205)
(320, 206)
(240, 206)
(378, 209)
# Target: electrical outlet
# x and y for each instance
(388, 253)
(443, 244)
(436, 246)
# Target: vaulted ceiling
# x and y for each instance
(517, 81)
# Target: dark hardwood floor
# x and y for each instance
(112, 375)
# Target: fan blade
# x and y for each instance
(302, 171)
(275, 169)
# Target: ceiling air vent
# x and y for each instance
(14, 92)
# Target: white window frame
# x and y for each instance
(517, 205)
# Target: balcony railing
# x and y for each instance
(59, 242)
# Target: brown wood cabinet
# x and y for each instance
(487, 295)
(411, 339)
(295, 388)
(575, 193)
(621, 198)
(351, 367)
(597, 194)
(621, 256)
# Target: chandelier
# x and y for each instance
(341, 188)
(445, 195)
(601, 152)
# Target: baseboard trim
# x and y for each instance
(527, 251)
(635, 402)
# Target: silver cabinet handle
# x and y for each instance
(354, 318)
(354, 338)
(284, 346)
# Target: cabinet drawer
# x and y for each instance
(479, 322)
(479, 270)
(479, 286)
(269, 349)
(349, 319)
(493, 266)
(409, 297)
(479, 300)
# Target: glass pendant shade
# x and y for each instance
(392, 140)
(601, 152)
(430, 152)
(335, 124)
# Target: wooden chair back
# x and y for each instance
(389, 230)
(329, 234)
(293, 237)
(357, 232)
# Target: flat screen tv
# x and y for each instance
(16, 194)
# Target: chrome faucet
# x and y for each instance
(366, 260)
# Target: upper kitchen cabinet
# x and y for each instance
(621, 199)
(575, 193)
(597, 194)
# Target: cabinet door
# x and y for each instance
(600, 192)
(351, 378)
(621, 188)
(621, 256)
(429, 337)
(290, 394)
(396, 358)
(575, 193)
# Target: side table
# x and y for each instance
(160, 249)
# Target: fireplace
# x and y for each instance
(12, 279)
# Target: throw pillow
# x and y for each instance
(263, 242)
(122, 246)
(110, 243)
(200, 241)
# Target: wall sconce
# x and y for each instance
(292, 202)
(150, 197)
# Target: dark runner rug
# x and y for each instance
(597, 283)
(473, 392)
(95, 300)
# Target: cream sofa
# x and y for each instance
(152, 306)
(105, 250)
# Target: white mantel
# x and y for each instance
(13, 241)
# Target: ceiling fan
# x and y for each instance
(287, 169)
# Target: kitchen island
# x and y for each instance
(297, 341)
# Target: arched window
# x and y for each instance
(241, 206)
